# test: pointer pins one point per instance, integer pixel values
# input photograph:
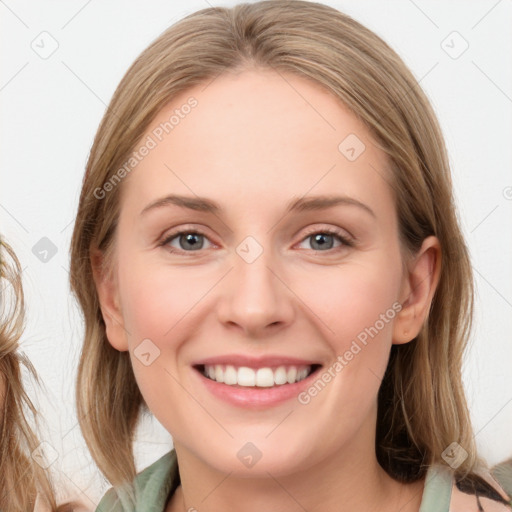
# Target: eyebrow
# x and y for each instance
(296, 205)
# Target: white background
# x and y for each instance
(51, 109)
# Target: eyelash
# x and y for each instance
(345, 241)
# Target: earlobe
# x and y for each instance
(107, 290)
(418, 287)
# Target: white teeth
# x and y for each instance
(302, 374)
(219, 374)
(246, 376)
(262, 377)
(230, 375)
(280, 376)
(291, 375)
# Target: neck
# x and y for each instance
(349, 479)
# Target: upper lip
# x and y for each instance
(255, 362)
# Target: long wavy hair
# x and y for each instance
(422, 407)
(22, 479)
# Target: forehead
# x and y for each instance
(257, 134)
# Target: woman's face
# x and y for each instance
(289, 261)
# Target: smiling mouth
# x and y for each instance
(264, 377)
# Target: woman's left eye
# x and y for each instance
(326, 240)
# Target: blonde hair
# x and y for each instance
(22, 479)
(422, 408)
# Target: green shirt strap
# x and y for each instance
(151, 488)
(502, 473)
(437, 492)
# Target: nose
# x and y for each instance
(255, 298)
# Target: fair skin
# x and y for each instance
(254, 143)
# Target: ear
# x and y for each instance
(107, 289)
(418, 286)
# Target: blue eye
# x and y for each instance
(322, 241)
(326, 240)
(187, 241)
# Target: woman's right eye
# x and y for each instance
(185, 241)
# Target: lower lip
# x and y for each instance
(255, 397)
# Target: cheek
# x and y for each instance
(357, 305)
(354, 302)
(158, 304)
(157, 298)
